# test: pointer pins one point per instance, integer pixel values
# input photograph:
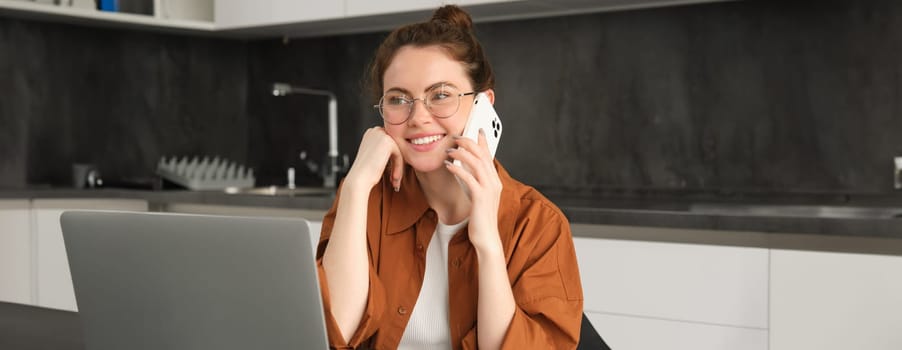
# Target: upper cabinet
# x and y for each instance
(356, 8)
(305, 18)
(231, 14)
(177, 16)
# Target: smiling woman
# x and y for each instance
(411, 260)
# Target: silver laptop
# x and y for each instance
(175, 281)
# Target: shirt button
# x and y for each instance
(419, 246)
(402, 310)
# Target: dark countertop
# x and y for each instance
(176, 196)
(680, 211)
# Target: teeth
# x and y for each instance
(425, 140)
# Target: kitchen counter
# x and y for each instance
(177, 196)
(868, 223)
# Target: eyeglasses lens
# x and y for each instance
(396, 107)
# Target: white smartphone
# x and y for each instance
(482, 116)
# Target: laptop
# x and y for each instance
(178, 281)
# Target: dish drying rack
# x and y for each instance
(205, 173)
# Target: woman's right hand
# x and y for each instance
(377, 151)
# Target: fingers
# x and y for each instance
(395, 160)
(483, 142)
(478, 164)
(462, 174)
(479, 148)
(472, 162)
(397, 169)
(377, 154)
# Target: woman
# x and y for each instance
(407, 258)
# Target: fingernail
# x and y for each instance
(482, 131)
(450, 150)
(456, 137)
(448, 163)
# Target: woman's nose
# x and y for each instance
(419, 114)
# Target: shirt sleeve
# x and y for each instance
(375, 302)
(546, 287)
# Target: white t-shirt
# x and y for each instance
(429, 327)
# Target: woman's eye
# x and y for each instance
(440, 96)
(397, 101)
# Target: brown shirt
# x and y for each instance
(541, 266)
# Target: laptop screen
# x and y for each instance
(177, 281)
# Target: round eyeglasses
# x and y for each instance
(396, 108)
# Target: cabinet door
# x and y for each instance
(54, 283)
(356, 8)
(709, 284)
(479, 2)
(15, 251)
(652, 295)
(241, 13)
(643, 333)
(289, 11)
(836, 301)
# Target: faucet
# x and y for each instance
(329, 172)
(897, 175)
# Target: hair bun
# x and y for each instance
(455, 16)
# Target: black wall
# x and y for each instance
(781, 96)
(117, 99)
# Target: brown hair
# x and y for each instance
(450, 28)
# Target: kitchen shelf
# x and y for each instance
(89, 17)
(345, 22)
(482, 11)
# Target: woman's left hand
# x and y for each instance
(485, 190)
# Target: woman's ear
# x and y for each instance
(491, 94)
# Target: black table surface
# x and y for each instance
(25, 327)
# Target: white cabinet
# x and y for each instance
(642, 333)
(54, 283)
(702, 296)
(231, 14)
(192, 10)
(288, 11)
(478, 2)
(15, 251)
(168, 21)
(305, 18)
(692, 282)
(240, 13)
(837, 301)
(368, 8)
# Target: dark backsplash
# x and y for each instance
(774, 96)
(117, 99)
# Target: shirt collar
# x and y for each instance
(407, 206)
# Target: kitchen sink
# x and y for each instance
(815, 211)
(277, 191)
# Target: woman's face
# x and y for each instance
(416, 73)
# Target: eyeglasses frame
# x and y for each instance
(425, 104)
